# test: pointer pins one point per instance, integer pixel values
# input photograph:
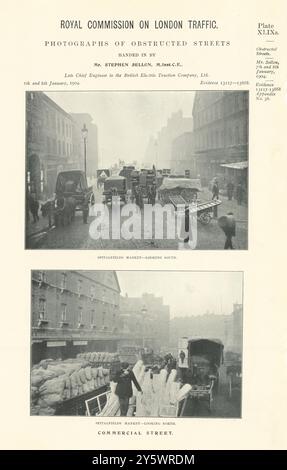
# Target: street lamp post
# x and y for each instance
(85, 136)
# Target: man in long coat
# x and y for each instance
(124, 379)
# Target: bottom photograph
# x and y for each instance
(162, 344)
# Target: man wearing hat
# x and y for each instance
(124, 390)
(227, 224)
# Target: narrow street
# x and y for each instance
(76, 235)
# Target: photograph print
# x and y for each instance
(137, 170)
(136, 343)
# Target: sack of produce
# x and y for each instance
(82, 376)
(34, 410)
(85, 387)
(47, 411)
(74, 391)
(53, 386)
(88, 372)
(52, 399)
(94, 372)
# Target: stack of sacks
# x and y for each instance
(61, 380)
(99, 357)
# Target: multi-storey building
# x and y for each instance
(220, 121)
(234, 330)
(74, 311)
(50, 143)
(159, 150)
(182, 154)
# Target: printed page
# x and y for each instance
(143, 233)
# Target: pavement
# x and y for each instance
(76, 235)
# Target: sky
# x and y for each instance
(125, 120)
(187, 292)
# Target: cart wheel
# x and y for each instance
(204, 218)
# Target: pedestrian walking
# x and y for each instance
(230, 190)
(228, 224)
(239, 193)
(215, 189)
(124, 379)
(34, 207)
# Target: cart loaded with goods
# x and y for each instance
(60, 387)
(183, 193)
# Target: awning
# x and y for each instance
(236, 166)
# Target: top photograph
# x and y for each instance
(137, 170)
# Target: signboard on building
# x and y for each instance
(80, 343)
(55, 344)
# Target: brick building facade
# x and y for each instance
(74, 311)
(52, 143)
(220, 120)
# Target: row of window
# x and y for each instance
(230, 104)
(218, 139)
(67, 316)
(60, 147)
(106, 296)
(55, 121)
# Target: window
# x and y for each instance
(59, 147)
(48, 144)
(216, 139)
(80, 316)
(64, 148)
(237, 138)
(64, 281)
(222, 138)
(92, 292)
(64, 313)
(42, 276)
(42, 309)
(236, 103)
(42, 180)
(104, 319)
(93, 317)
(80, 285)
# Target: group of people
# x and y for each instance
(237, 191)
(139, 195)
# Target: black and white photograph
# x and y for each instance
(137, 170)
(136, 343)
